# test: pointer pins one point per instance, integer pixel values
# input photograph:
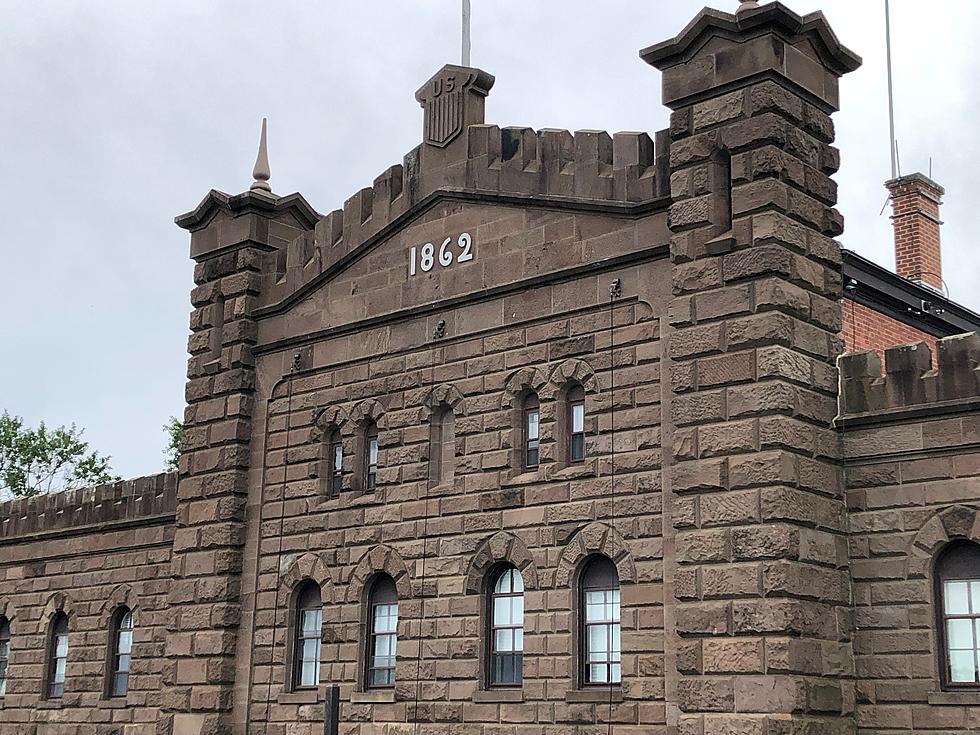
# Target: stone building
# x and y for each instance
(541, 434)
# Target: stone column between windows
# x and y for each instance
(761, 630)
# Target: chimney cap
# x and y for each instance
(917, 178)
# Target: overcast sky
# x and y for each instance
(120, 114)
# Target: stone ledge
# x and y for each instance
(498, 696)
(957, 699)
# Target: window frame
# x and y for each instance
(335, 469)
(383, 593)
(370, 455)
(301, 606)
(493, 579)
(4, 654)
(113, 670)
(531, 405)
(584, 652)
(941, 575)
(58, 628)
(575, 398)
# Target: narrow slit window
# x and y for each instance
(576, 424)
(4, 653)
(122, 652)
(336, 459)
(58, 656)
(371, 456)
(383, 640)
(308, 634)
(507, 629)
(532, 431)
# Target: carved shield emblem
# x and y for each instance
(444, 110)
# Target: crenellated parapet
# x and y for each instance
(587, 168)
(91, 508)
(909, 378)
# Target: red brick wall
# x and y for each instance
(867, 329)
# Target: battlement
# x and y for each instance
(909, 379)
(127, 500)
(587, 167)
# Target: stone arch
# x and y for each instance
(308, 566)
(947, 524)
(326, 419)
(520, 382)
(382, 559)
(574, 371)
(369, 410)
(121, 595)
(58, 602)
(503, 546)
(595, 538)
(9, 611)
(444, 395)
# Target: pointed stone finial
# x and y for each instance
(261, 172)
(747, 5)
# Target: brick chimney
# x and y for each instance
(915, 215)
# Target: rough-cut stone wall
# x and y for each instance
(913, 470)
(86, 553)
(440, 542)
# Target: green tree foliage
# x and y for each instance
(175, 432)
(36, 461)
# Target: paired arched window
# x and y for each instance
(370, 455)
(121, 652)
(57, 655)
(532, 431)
(382, 642)
(576, 423)
(958, 612)
(506, 633)
(4, 653)
(442, 452)
(308, 625)
(599, 631)
(335, 462)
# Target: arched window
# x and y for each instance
(442, 450)
(958, 611)
(383, 638)
(576, 423)
(506, 607)
(370, 455)
(308, 625)
(335, 457)
(599, 631)
(532, 434)
(4, 653)
(57, 655)
(121, 652)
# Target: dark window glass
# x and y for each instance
(600, 629)
(958, 593)
(122, 652)
(336, 459)
(4, 654)
(383, 641)
(507, 629)
(532, 431)
(371, 456)
(576, 424)
(58, 655)
(308, 635)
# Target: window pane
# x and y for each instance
(504, 640)
(975, 597)
(616, 642)
(616, 674)
(960, 634)
(311, 622)
(338, 457)
(373, 452)
(125, 642)
(122, 663)
(61, 646)
(519, 639)
(598, 643)
(503, 582)
(957, 598)
(533, 457)
(518, 583)
(578, 418)
(309, 677)
(578, 446)
(120, 684)
(597, 674)
(533, 425)
(59, 671)
(57, 689)
(962, 666)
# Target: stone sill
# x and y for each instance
(49, 704)
(498, 696)
(386, 696)
(598, 695)
(302, 696)
(964, 698)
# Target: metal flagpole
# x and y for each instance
(891, 96)
(466, 32)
